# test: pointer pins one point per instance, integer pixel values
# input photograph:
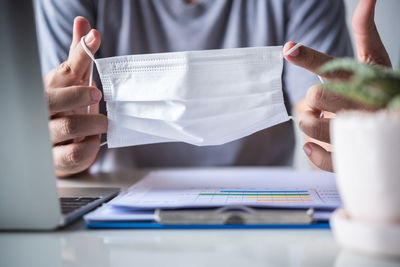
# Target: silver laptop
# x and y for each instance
(29, 198)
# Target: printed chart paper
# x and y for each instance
(216, 188)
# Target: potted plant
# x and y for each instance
(366, 157)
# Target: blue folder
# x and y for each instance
(153, 225)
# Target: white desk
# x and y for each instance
(77, 246)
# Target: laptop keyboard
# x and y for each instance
(71, 204)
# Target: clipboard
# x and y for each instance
(152, 225)
(183, 203)
(232, 217)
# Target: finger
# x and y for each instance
(312, 60)
(73, 97)
(93, 109)
(314, 126)
(81, 27)
(370, 48)
(318, 98)
(319, 156)
(75, 126)
(78, 60)
(75, 157)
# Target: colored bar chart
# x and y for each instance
(266, 196)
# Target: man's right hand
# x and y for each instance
(75, 134)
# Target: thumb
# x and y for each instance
(370, 48)
(78, 59)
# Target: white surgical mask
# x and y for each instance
(205, 131)
(179, 110)
(208, 97)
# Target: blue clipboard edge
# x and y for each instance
(153, 225)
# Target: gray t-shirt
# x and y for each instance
(152, 26)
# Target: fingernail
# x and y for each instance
(96, 95)
(307, 149)
(295, 53)
(89, 38)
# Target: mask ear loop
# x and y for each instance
(91, 57)
(89, 53)
(321, 115)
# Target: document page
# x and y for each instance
(221, 187)
(111, 213)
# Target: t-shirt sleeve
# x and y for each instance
(54, 24)
(321, 25)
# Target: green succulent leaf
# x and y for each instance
(398, 67)
(374, 86)
(364, 70)
(394, 104)
(359, 93)
(390, 85)
(347, 64)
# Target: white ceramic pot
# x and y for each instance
(367, 163)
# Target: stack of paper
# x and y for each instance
(261, 188)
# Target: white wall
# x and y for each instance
(387, 18)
